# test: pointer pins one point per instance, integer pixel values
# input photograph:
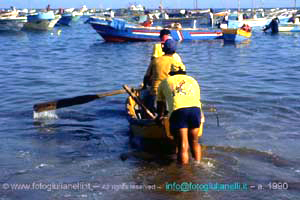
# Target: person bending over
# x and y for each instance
(180, 94)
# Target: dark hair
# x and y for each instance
(171, 73)
(164, 32)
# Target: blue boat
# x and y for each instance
(65, 19)
(119, 30)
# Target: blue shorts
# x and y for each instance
(185, 118)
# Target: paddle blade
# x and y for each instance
(53, 105)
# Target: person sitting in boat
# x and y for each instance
(273, 25)
(158, 70)
(48, 8)
(61, 11)
(246, 28)
(180, 94)
(149, 21)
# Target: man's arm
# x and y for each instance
(161, 102)
(148, 75)
(161, 108)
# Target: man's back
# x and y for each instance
(161, 67)
(180, 91)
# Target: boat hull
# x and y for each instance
(65, 19)
(42, 24)
(12, 24)
(147, 130)
(289, 28)
(236, 35)
(123, 33)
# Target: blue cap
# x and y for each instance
(169, 46)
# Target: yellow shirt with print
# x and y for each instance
(179, 91)
(159, 70)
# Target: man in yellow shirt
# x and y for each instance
(159, 70)
(181, 93)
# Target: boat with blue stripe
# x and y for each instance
(119, 30)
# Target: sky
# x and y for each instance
(147, 3)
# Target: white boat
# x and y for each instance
(290, 26)
(10, 21)
(255, 20)
(236, 20)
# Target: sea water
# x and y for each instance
(254, 87)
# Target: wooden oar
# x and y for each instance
(53, 105)
(138, 101)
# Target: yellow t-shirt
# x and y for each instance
(179, 91)
(159, 70)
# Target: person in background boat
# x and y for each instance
(273, 25)
(180, 94)
(158, 70)
(246, 28)
(292, 19)
(48, 8)
(61, 11)
(149, 20)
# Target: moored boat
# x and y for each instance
(65, 19)
(236, 34)
(118, 30)
(12, 23)
(291, 24)
(289, 27)
(42, 21)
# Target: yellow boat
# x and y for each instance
(236, 34)
(145, 128)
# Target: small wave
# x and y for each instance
(238, 98)
(45, 115)
(265, 156)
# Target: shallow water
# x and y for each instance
(254, 87)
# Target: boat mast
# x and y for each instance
(295, 4)
(196, 4)
(253, 3)
(161, 6)
(239, 5)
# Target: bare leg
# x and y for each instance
(183, 146)
(194, 144)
